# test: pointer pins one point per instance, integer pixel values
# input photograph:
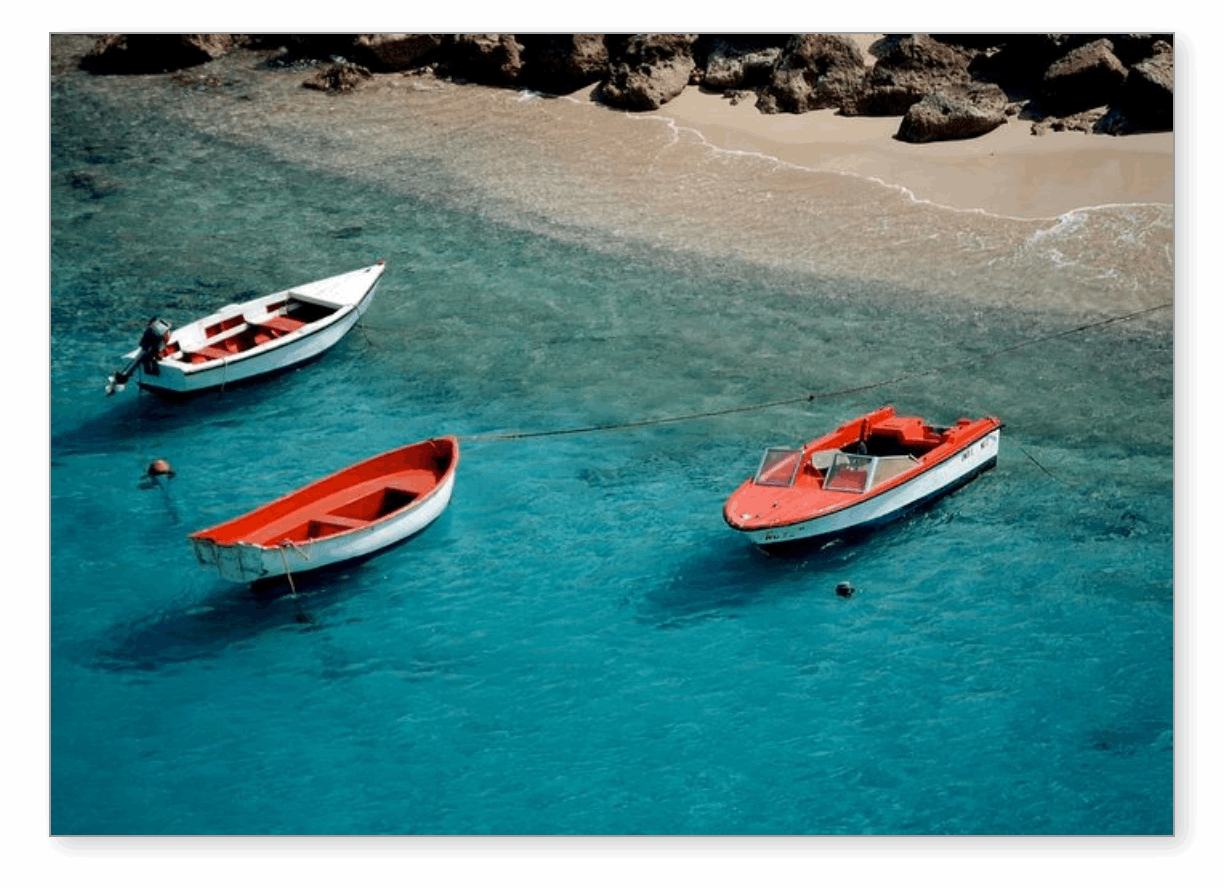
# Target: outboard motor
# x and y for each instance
(151, 341)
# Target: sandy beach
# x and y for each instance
(1008, 172)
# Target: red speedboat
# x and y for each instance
(867, 472)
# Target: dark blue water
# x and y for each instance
(580, 645)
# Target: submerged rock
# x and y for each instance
(342, 77)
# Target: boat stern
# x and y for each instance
(236, 562)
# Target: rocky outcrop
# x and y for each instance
(649, 71)
(341, 77)
(1106, 83)
(814, 71)
(964, 113)
(156, 53)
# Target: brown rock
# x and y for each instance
(342, 77)
(650, 71)
(961, 114)
(907, 70)
(731, 62)
(814, 71)
(394, 52)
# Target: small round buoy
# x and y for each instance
(160, 467)
(844, 589)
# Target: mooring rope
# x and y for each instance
(813, 396)
(288, 574)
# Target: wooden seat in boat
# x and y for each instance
(209, 352)
(280, 323)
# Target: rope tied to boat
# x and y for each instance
(284, 544)
(288, 573)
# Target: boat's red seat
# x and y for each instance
(280, 323)
(208, 353)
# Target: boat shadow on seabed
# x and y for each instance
(228, 616)
(722, 580)
(142, 413)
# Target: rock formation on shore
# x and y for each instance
(952, 86)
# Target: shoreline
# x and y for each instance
(1009, 172)
(1067, 221)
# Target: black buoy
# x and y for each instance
(844, 589)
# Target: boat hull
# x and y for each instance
(936, 482)
(247, 563)
(176, 377)
(242, 561)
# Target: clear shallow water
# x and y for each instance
(579, 645)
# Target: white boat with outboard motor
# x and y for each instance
(251, 339)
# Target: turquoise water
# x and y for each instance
(580, 645)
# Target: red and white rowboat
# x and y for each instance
(867, 472)
(266, 335)
(350, 514)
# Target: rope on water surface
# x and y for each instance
(813, 396)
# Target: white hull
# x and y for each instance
(350, 293)
(950, 473)
(246, 563)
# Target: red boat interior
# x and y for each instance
(354, 498)
(283, 316)
(841, 461)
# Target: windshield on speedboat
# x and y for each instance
(850, 473)
(779, 466)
